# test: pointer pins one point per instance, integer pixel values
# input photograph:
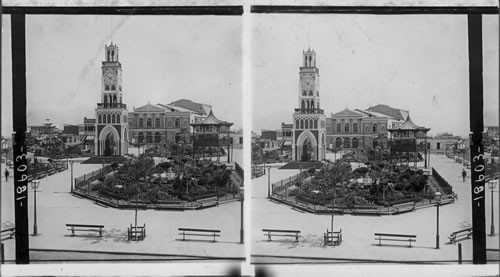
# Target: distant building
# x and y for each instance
(159, 124)
(46, 129)
(198, 108)
(492, 131)
(350, 129)
(408, 140)
(443, 143)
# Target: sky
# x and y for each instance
(164, 58)
(412, 62)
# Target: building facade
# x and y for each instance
(159, 124)
(111, 131)
(309, 119)
(350, 129)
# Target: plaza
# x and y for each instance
(358, 242)
(56, 206)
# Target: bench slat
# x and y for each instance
(281, 231)
(204, 235)
(85, 225)
(398, 239)
(395, 235)
(198, 230)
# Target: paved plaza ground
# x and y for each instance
(359, 243)
(57, 207)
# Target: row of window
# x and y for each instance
(157, 123)
(308, 105)
(305, 93)
(110, 118)
(306, 124)
(355, 129)
(346, 143)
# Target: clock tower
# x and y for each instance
(309, 120)
(111, 113)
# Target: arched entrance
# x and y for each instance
(109, 141)
(307, 147)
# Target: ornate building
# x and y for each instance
(309, 120)
(349, 129)
(111, 114)
(160, 124)
(408, 140)
(210, 134)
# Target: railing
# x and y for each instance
(89, 177)
(239, 170)
(309, 111)
(112, 105)
(443, 184)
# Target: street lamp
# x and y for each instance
(492, 184)
(71, 162)
(242, 193)
(268, 182)
(34, 185)
(438, 202)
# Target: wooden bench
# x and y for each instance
(281, 233)
(460, 235)
(395, 237)
(332, 239)
(136, 233)
(8, 233)
(199, 232)
(85, 227)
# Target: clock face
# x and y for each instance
(308, 83)
(109, 77)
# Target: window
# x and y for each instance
(109, 118)
(374, 128)
(149, 122)
(296, 124)
(113, 87)
(304, 93)
(347, 143)
(141, 122)
(338, 142)
(157, 122)
(149, 137)
(241, 140)
(140, 137)
(355, 143)
(157, 137)
(301, 124)
(113, 118)
(185, 124)
(177, 123)
(117, 118)
(346, 128)
(106, 87)
(315, 124)
(169, 123)
(339, 128)
(307, 124)
(100, 119)
(354, 128)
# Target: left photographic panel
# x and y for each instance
(134, 138)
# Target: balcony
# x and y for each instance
(112, 105)
(309, 111)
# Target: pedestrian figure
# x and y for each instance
(7, 173)
(464, 174)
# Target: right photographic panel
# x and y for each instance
(364, 126)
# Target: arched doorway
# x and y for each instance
(306, 147)
(109, 142)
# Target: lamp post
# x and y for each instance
(34, 185)
(492, 184)
(71, 162)
(438, 201)
(268, 182)
(242, 193)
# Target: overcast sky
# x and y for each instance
(413, 62)
(164, 58)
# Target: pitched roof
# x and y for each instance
(212, 120)
(347, 113)
(409, 125)
(389, 111)
(199, 108)
(149, 108)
